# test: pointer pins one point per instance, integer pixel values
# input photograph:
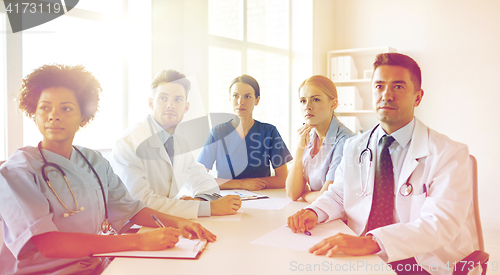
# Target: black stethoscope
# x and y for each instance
(405, 190)
(106, 227)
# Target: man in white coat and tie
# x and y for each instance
(156, 164)
(412, 207)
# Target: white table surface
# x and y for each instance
(232, 253)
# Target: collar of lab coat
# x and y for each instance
(419, 148)
(155, 138)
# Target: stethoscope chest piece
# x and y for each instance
(406, 189)
(107, 228)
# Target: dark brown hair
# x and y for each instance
(397, 59)
(247, 80)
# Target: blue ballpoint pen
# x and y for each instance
(157, 221)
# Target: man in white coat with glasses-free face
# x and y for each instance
(156, 164)
(413, 205)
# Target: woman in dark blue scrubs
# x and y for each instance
(244, 148)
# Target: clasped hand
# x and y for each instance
(252, 184)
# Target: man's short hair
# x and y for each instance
(397, 59)
(166, 76)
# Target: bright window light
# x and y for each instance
(109, 7)
(225, 18)
(269, 22)
(116, 50)
(93, 47)
(224, 66)
(262, 51)
(271, 71)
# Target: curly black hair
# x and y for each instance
(86, 87)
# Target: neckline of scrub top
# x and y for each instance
(249, 130)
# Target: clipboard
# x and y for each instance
(248, 198)
(184, 249)
(245, 195)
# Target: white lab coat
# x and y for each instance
(435, 229)
(141, 161)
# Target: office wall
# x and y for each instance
(456, 45)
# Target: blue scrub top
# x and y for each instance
(250, 157)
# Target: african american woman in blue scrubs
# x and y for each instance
(320, 141)
(244, 148)
(59, 202)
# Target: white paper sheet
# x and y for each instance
(267, 204)
(229, 218)
(284, 237)
(185, 248)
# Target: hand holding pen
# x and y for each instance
(159, 239)
(303, 221)
(189, 229)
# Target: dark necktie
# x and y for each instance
(383, 191)
(169, 146)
